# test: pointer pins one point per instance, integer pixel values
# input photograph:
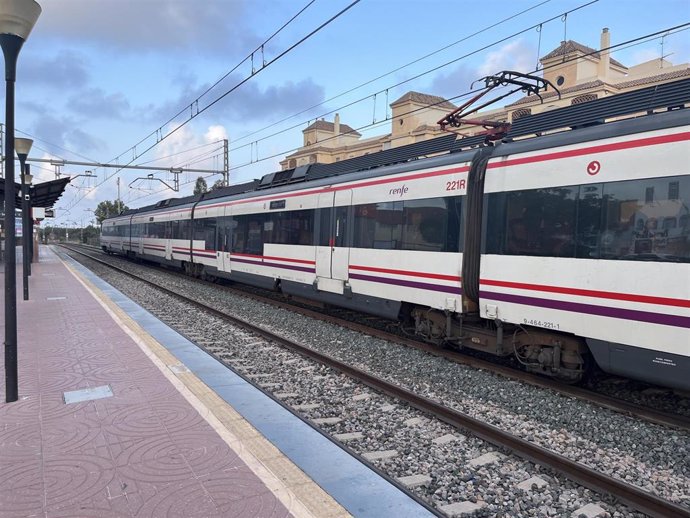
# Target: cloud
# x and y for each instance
(209, 25)
(95, 103)
(250, 102)
(516, 55)
(66, 69)
(64, 132)
(215, 133)
(455, 82)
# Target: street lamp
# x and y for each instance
(17, 18)
(22, 147)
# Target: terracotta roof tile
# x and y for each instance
(329, 126)
(576, 88)
(665, 76)
(428, 99)
(566, 47)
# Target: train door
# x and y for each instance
(332, 252)
(168, 240)
(324, 245)
(340, 252)
(224, 243)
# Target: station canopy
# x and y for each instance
(44, 194)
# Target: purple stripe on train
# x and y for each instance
(410, 284)
(591, 309)
(276, 265)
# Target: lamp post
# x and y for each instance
(22, 146)
(17, 18)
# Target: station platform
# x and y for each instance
(119, 415)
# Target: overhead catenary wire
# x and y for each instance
(398, 69)
(417, 76)
(222, 96)
(619, 46)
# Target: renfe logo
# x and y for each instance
(399, 191)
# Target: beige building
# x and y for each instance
(579, 72)
(414, 118)
(583, 74)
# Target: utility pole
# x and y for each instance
(226, 163)
(119, 203)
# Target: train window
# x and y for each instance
(294, 227)
(539, 222)
(431, 224)
(628, 220)
(248, 236)
(640, 226)
(205, 230)
(340, 230)
(224, 234)
(378, 225)
(180, 229)
(324, 217)
(424, 225)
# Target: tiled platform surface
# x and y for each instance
(146, 451)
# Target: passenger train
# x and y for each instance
(563, 250)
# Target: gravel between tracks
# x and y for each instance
(652, 457)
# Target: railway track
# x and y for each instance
(632, 496)
(621, 406)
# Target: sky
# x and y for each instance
(127, 81)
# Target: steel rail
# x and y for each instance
(632, 496)
(620, 406)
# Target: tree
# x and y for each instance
(218, 184)
(200, 187)
(108, 209)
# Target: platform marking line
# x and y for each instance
(302, 497)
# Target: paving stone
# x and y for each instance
(379, 455)
(460, 508)
(327, 420)
(526, 485)
(449, 437)
(487, 458)
(344, 437)
(361, 397)
(589, 510)
(415, 481)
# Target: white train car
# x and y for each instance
(560, 249)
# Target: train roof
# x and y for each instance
(668, 96)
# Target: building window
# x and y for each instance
(401, 122)
(560, 80)
(673, 190)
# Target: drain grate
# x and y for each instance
(78, 396)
